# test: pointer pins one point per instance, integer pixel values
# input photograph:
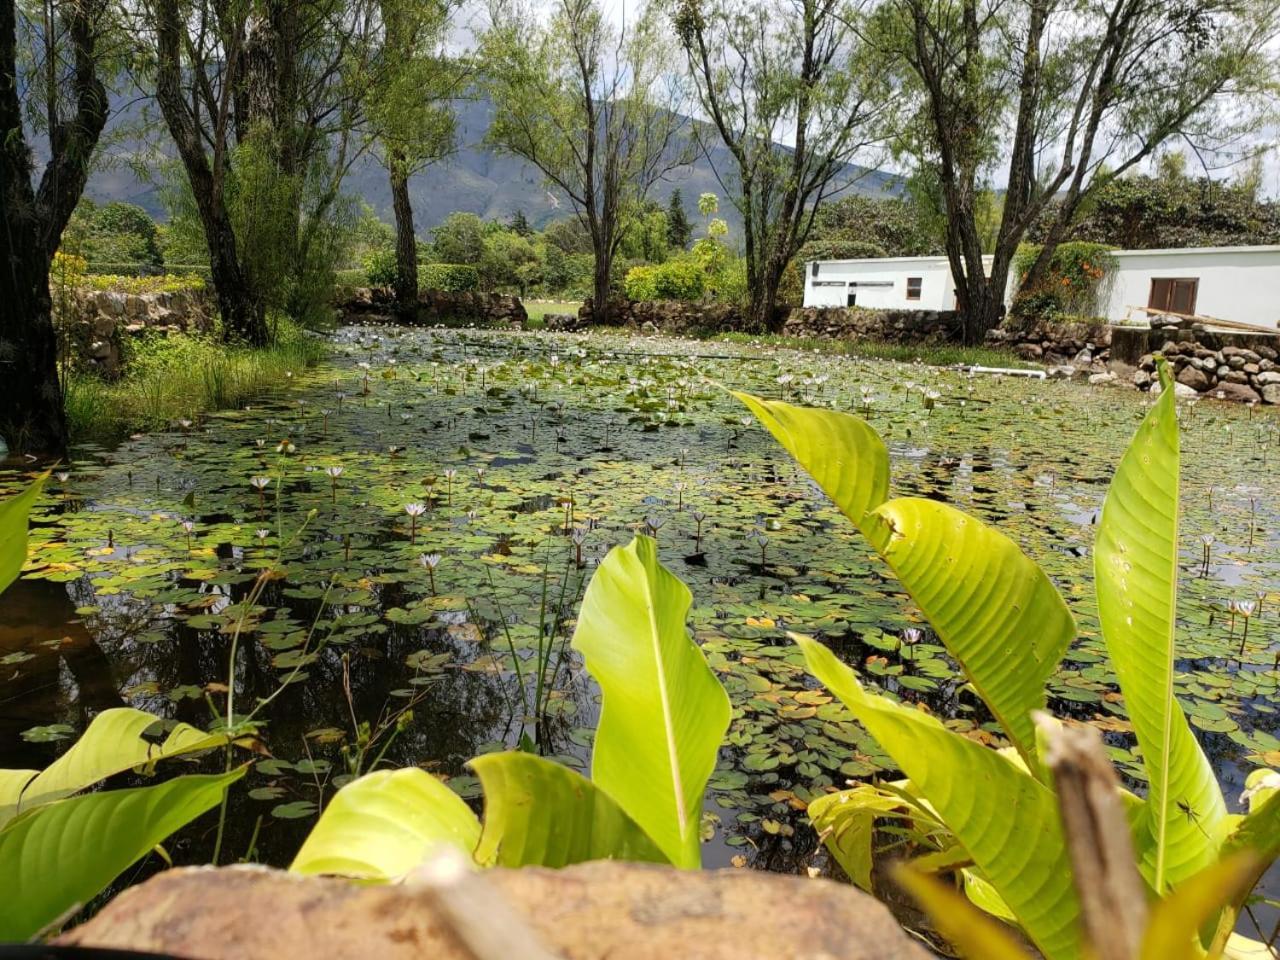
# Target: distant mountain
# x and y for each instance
(479, 180)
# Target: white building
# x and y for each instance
(1241, 284)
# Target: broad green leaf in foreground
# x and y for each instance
(386, 823)
(60, 855)
(1136, 578)
(663, 713)
(540, 813)
(1006, 819)
(14, 512)
(112, 743)
(843, 454)
(993, 608)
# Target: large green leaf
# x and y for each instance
(846, 821)
(663, 713)
(1005, 818)
(12, 783)
(1136, 578)
(993, 608)
(540, 813)
(112, 743)
(842, 453)
(56, 857)
(386, 823)
(13, 530)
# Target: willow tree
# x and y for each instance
(595, 108)
(261, 101)
(57, 93)
(794, 96)
(408, 111)
(1055, 99)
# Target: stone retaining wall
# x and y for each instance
(377, 305)
(1069, 349)
(94, 323)
(884, 326)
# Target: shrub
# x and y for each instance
(641, 283)
(449, 277)
(681, 278)
(380, 268)
(1072, 283)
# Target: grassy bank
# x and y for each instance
(937, 355)
(538, 310)
(176, 377)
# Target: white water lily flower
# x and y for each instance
(414, 509)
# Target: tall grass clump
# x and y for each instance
(168, 378)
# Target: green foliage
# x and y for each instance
(679, 230)
(181, 376)
(1136, 578)
(381, 268)
(1003, 621)
(63, 854)
(14, 512)
(1156, 212)
(898, 226)
(1073, 283)
(400, 816)
(61, 850)
(529, 799)
(662, 720)
(114, 233)
(459, 239)
(681, 278)
(663, 713)
(450, 277)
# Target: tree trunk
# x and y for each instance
(600, 313)
(406, 285)
(31, 418)
(243, 318)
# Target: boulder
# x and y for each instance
(1267, 378)
(1195, 378)
(590, 911)
(1271, 393)
(1102, 379)
(1234, 391)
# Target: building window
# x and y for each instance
(851, 300)
(814, 270)
(1174, 294)
(914, 286)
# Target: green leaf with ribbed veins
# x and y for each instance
(60, 855)
(1005, 818)
(994, 609)
(386, 823)
(843, 454)
(113, 743)
(663, 713)
(1136, 578)
(540, 813)
(14, 514)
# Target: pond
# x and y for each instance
(428, 636)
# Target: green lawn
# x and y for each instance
(538, 309)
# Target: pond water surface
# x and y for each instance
(511, 443)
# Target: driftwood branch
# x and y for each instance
(1113, 902)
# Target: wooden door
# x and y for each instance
(1174, 294)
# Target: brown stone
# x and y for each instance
(1236, 392)
(591, 911)
(1194, 378)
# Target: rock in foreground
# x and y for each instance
(593, 910)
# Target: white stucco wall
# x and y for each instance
(1235, 283)
(880, 283)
